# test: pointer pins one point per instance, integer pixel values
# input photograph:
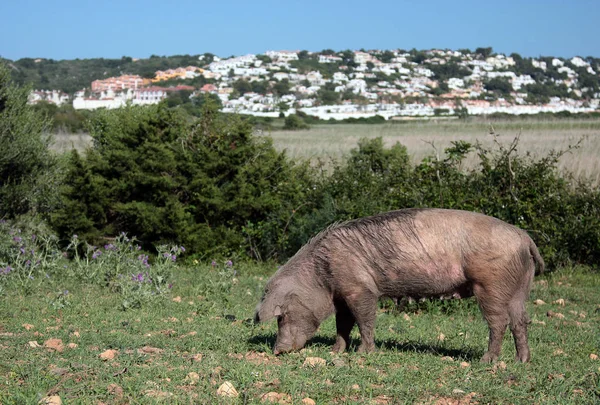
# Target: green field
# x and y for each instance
(180, 352)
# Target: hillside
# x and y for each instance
(329, 84)
(72, 75)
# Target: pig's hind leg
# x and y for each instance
(519, 319)
(495, 312)
(344, 322)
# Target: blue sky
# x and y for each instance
(68, 29)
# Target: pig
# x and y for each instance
(428, 252)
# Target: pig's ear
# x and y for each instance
(267, 310)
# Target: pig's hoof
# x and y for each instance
(366, 349)
(523, 358)
(338, 348)
(488, 358)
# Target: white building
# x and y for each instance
(455, 83)
(577, 61)
(149, 95)
(520, 81)
(51, 96)
(225, 65)
(282, 56)
(329, 59)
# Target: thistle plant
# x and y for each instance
(26, 258)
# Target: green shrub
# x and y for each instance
(294, 122)
(561, 214)
(152, 175)
(28, 170)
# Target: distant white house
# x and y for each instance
(282, 56)
(225, 65)
(577, 61)
(51, 96)
(149, 95)
(329, 59)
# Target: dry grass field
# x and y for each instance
(538, 137)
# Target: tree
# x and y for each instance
(302, 55)
(484, 52)
(499, 85)
(282, 87)
(294, 122)
(28, 170)
(264, 58)
(328, 97)
(176, 98)
(283, 107)
(200, 99)
(386, 56)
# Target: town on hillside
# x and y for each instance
(361, 84)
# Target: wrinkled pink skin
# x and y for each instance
(406, 253)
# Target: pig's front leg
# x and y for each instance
(344, 322)
(363, 306)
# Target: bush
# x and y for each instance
(28, 170)
(151, 174)
(294, 122)
(561, 214)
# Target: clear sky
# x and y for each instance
(69, 29)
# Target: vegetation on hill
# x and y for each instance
(73, 75)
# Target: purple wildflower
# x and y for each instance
(182, 248)
(139, 277)
(110, 246)
(213, 263)
(17, 239)
(28, 263)
(31, 277)
(229, 263)
(96, 254)
(33, 237)
(144, 260)
(170, 286)
(75, 236)
(173, 258)
(22, 250)
(66, 292)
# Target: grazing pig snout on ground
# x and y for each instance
(347, 267)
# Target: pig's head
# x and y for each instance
(296, 319)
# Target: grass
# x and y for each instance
(538, 137)
(327, 141)
(205, 328)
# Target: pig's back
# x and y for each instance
(417, 252)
